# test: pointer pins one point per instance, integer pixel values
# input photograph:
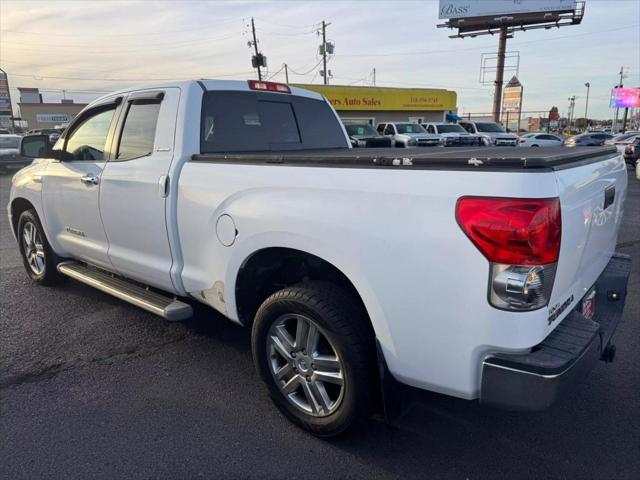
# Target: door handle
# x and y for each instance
(90, 179)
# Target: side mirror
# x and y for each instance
(35, 146)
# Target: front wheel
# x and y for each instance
(37, 256)
(313, 348)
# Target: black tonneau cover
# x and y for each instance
(483, 158)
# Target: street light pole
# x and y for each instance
(572, 104)
(586, 105)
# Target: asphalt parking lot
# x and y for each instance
(91, 387)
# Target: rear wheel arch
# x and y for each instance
(268, 270)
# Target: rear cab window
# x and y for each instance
(139, 131)
(234, 121)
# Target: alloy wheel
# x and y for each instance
(305, 365)
(33, 248)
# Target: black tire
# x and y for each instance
(345, 325)
(49, 274)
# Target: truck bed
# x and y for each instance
(485, 158)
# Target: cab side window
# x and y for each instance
(431, 129)
(389, 130)
(88, 140)
(139, 131)
(468, 127)
(381, 128)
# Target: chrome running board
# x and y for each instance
(164, 306)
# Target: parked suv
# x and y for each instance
(364, 135)
(10, 152)
(491, 133)
(451, 134)
(407, 134)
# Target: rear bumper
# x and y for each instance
(535, 380)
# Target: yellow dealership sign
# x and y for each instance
(384, 98)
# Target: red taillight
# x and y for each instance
(269, 86)
(512, 231)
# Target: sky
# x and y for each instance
(92, 47)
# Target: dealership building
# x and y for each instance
(375, 105)
(39, 114)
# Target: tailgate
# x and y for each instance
(592, 200)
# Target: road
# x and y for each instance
(91, 387)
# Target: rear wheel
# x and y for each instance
(312, 348)
(534, 146)
(37, 256)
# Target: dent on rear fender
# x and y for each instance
(214, 297)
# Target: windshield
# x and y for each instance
(449, 128)
(260, 121)
(9, 142)
(489, 127)
(361, 131)
(410, 128)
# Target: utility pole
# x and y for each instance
(374, 76)
(497, 95)
(615, 120)
(324, 50)
(286, 73)
(255, 45)
(586, 105)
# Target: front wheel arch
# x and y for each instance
(19, 205)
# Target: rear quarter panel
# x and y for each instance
(391, 232)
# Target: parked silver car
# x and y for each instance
(452, 134)
(407, 134)
(491, 133)
(10, 152)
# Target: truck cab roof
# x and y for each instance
(206, 85)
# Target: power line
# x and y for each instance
(67, 90)
(274, 74)
(277, 24)
(461, 50)
(308, 71)
(77, 48)
(286, 34)
(110, 35)
(146, 79)
(414, 84)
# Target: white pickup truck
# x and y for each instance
(482, 273)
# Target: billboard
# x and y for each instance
(5, 97)
(381, 98)
(512, 97)
(483, 8)
(625, 97)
